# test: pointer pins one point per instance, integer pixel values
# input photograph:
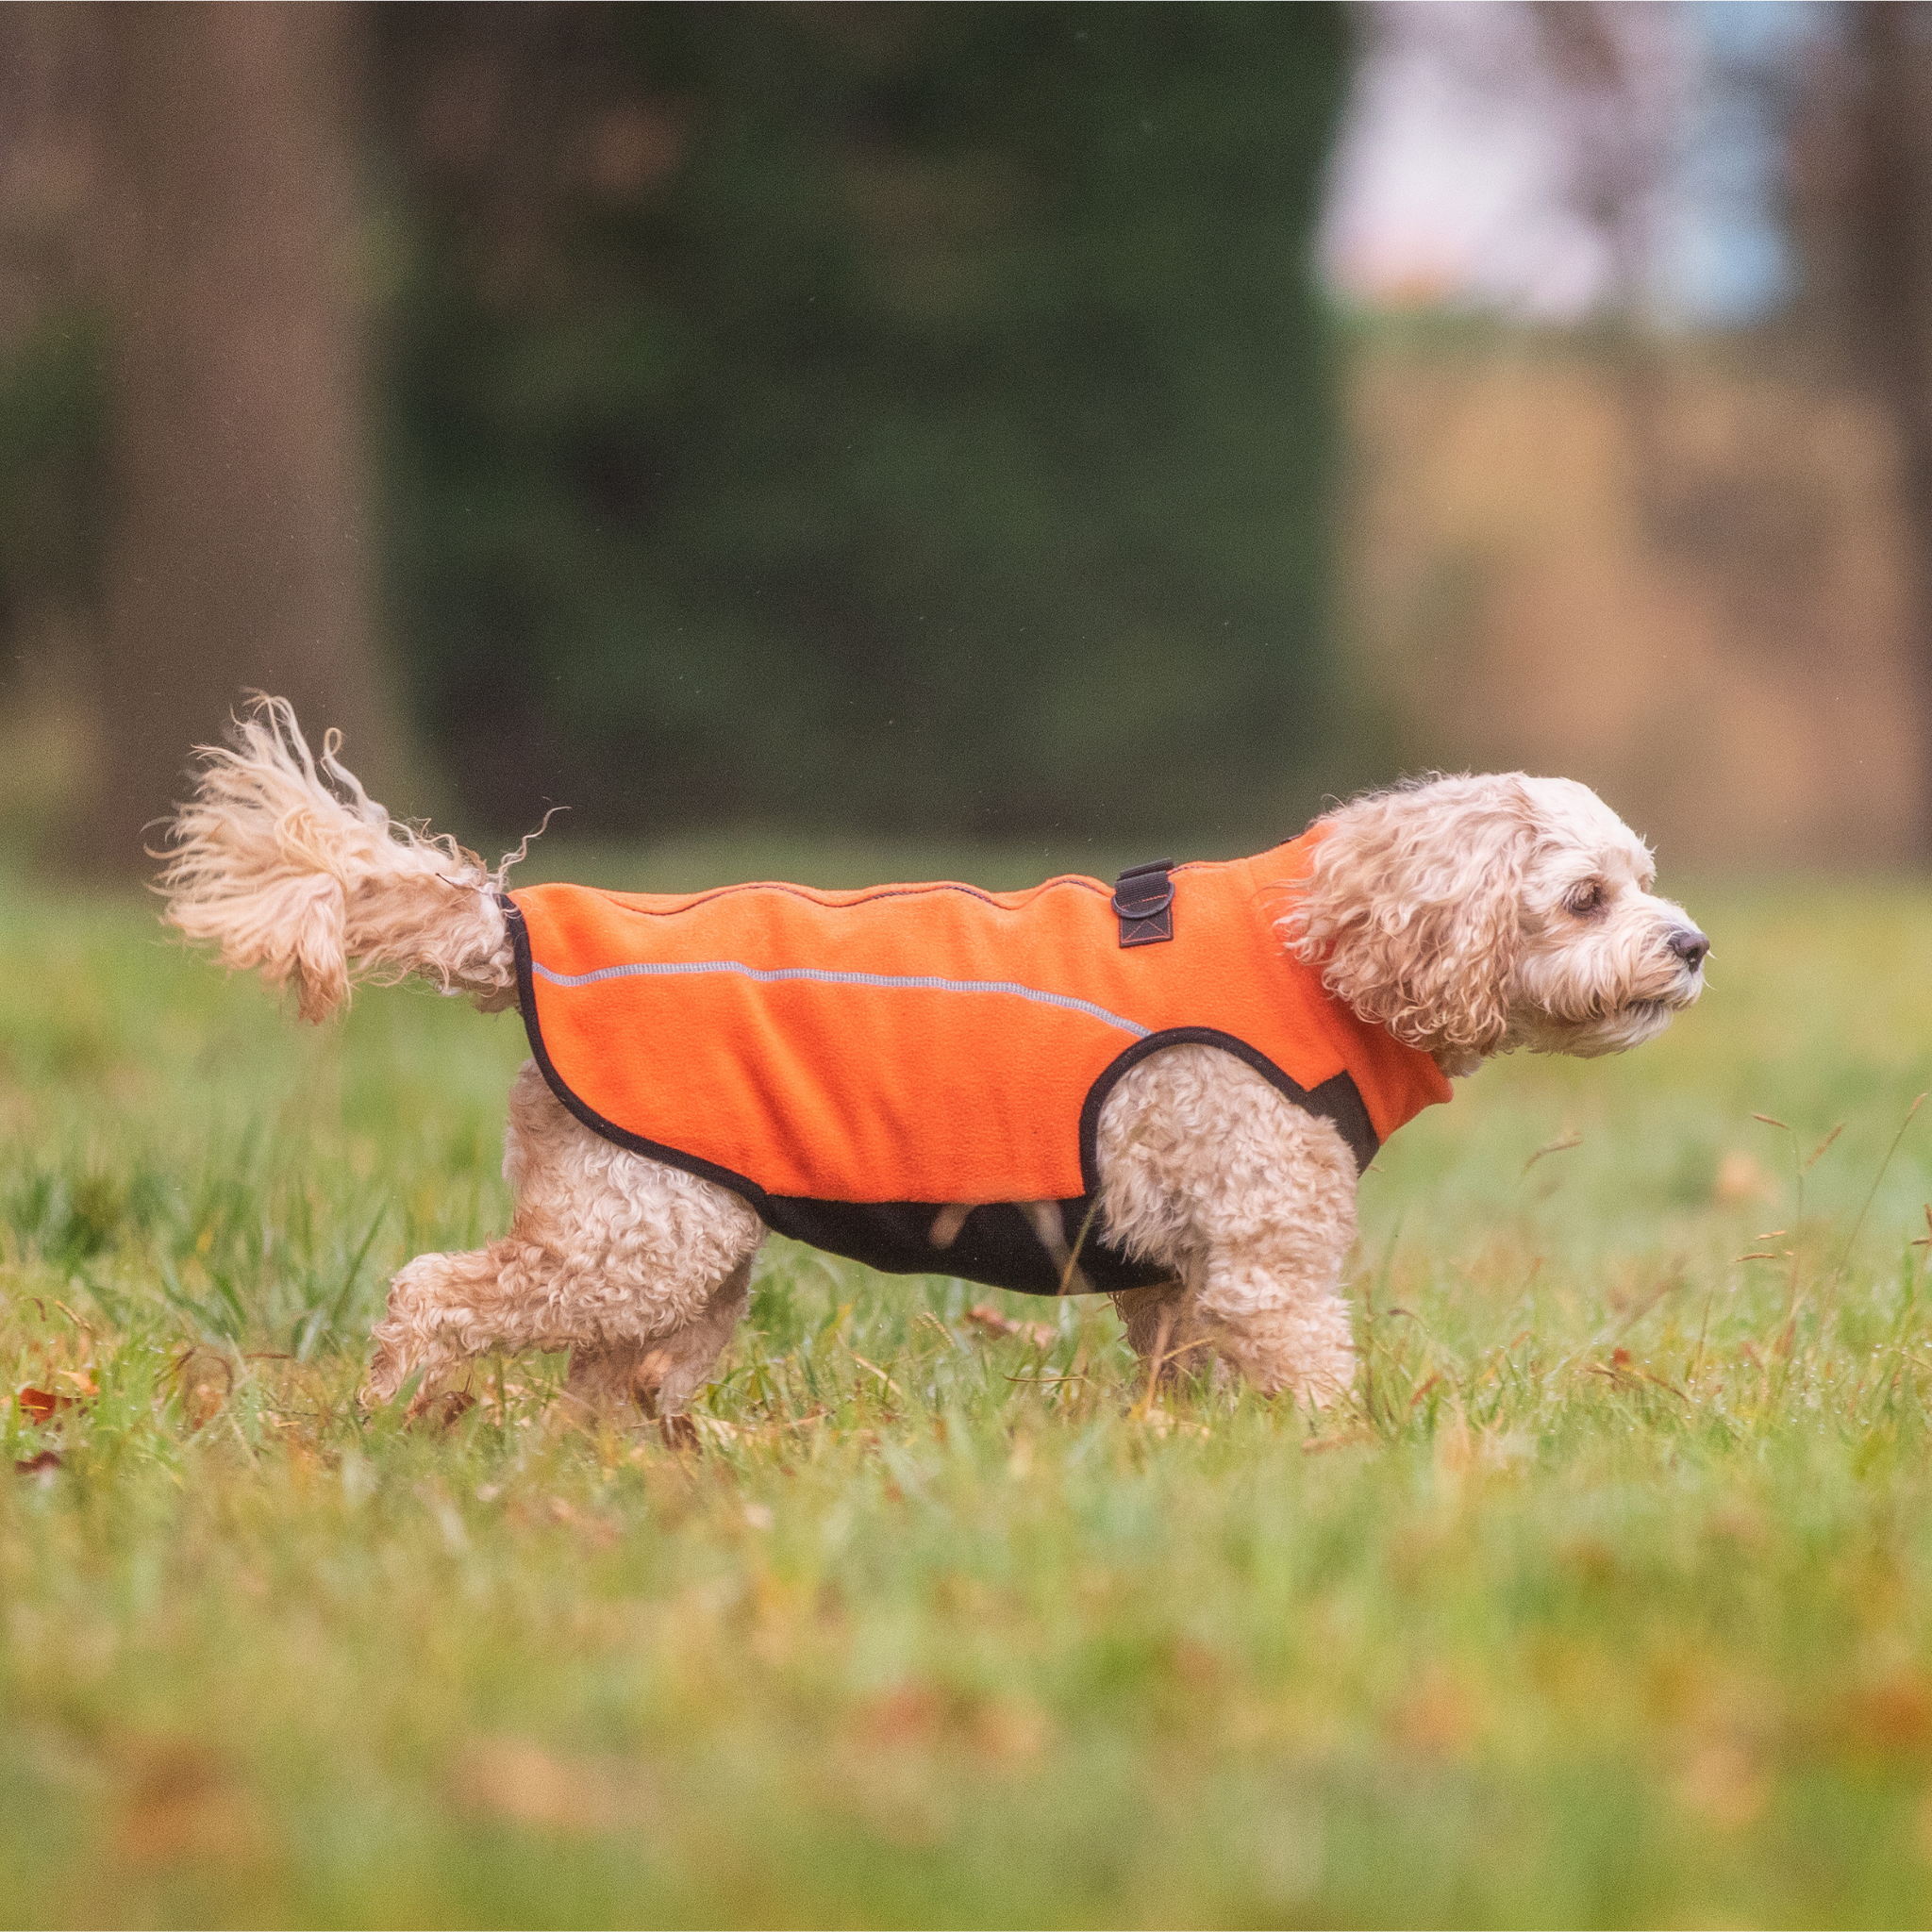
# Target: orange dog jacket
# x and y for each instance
(912, 1074)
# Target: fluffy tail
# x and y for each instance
(282, 861)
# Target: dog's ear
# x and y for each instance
(1412, 909)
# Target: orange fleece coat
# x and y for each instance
(853, 1063)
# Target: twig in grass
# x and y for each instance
(1501, 1356)
(1811, 1159)
(1422, 1388)
(1563, 1146)
(1793, 1294)
(1160, 1355)
(1703, 1328)
(1871, 1195)
(1670, 1286)
(1368, 1319)
(875, 1368)
(86, 1326)
(1071, 1270)
(311, 1326)
(1163, 1334)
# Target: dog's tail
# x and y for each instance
(282, 861)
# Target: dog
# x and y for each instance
(897, 1074)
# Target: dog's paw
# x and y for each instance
(389, 1369)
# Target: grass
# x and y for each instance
(1609, 1601)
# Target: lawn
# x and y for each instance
(1609, 1599)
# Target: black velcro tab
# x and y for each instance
(1143, 897)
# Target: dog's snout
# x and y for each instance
(1689, 946)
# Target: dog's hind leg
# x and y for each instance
(661, 1376)
(608, 1253)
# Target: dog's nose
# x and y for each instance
(1690, 946)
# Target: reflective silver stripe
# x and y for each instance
(765, 977)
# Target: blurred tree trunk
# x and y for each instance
(237, 553)
(1884, 285)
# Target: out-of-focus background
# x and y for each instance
(1056, 427)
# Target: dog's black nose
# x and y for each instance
(1690, 946)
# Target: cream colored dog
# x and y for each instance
(1467, 915)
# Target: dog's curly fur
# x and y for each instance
(1467, 915)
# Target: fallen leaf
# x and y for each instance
(181, 1804)
(442, 1410)
(1438, 1718)
(988, 1319)
(39, 1405)
(910, 1715)
(1740, 1179)
(206, 1380)
(513, 1779)
(1010, 1730)
(42, 1464)
(1165, 1424)
(1891, 1719)
(1724, 1787)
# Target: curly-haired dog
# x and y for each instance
(1165, 1090)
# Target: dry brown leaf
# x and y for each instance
(42, 1464)
(1438, 1718)
(181, 1804)
(1165, 1424)
(988, 1321)
(1740, 1179)
(442, 1409)
(1891, 1719)
(206, 1382)
(1010, 1730)
(41, 1405)
(516, 1780)
(912, 1714)
(1724, 1787)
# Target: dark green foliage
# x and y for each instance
(52, 443)
(920, 422)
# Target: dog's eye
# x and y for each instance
(1587, 898)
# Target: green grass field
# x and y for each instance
(1609, 1601)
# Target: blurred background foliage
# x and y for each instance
(862, 417)
(1055, 425)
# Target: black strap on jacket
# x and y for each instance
(1144, 898)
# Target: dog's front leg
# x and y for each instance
(1283, 1325)
(1277, 1233)
(1207, 1168)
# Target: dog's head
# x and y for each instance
(1473, 915)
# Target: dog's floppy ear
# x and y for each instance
(1413, 910)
